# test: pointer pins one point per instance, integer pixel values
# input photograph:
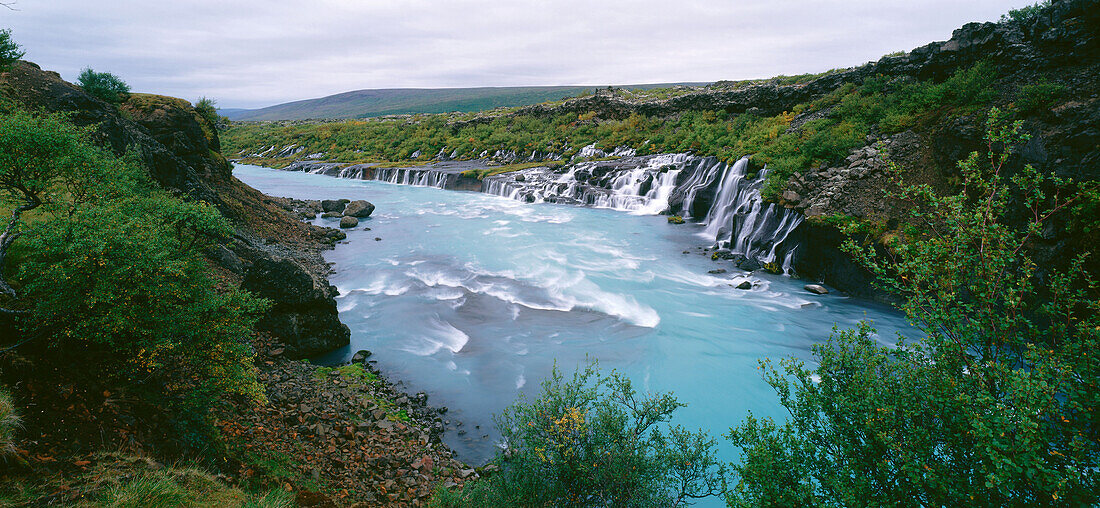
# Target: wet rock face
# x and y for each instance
(304, 313)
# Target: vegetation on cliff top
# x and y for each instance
(827, 129)
(104, 85)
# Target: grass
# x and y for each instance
(10, 423)
(480, 174)
(127, 481)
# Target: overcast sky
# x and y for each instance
(253, 53)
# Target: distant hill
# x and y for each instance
(394, 101)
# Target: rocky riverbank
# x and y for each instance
(340, 436)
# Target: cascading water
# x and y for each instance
(639, 185)
(414, 176)
(741, 221)
(729, 205)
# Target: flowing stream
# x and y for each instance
(473, 297)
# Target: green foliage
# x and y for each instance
(10, 52)
(353, 372)
(1026, 15)
(10, 422)
(995, 405)
(592, 440)
(114, 265)
(1040, 96)
(104, 85)
(207, 109)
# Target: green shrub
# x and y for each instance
(994, 405)
(207, 109)
(114, 266)
(104, 85)
(594, 441)
(1039, 96)
(10, 52)
(1026, 15)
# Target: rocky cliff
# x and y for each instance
(273, 253)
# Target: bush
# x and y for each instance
(104, 85)
(10, 52)
(593, 441)
(114, 267)
(1035, 98)
(995, 405)
(1026, 15)
(208, 110)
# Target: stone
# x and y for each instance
(330, 215)
(360, 355)
(359, 208)
(749, 265)
(717, 271)
(791, 196)
(744, 285)
(348, 221)
(521, 178)
(816, 289)
(332, 205)
(675, 219)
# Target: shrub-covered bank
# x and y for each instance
(154, 305)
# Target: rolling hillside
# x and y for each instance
(368, 103)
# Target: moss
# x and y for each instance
(352, 372)
(675, 219)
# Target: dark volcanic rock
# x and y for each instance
(333, 205)
(348, 221)
(304, 313)
(359, 208)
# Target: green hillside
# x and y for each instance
(395, 101)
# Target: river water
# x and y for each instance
(472, 298)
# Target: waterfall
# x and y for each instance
(737, 218)
(414, 176)
(639, 185)
(741, 221)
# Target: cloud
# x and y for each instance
(252, 53)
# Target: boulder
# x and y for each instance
(675, 219)
(816, 289)
(330, 215)
(359, 208)
(361, 356)
(304, 313)
(333, 205)
(744, 285)
(749, 265)
(348, 221)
